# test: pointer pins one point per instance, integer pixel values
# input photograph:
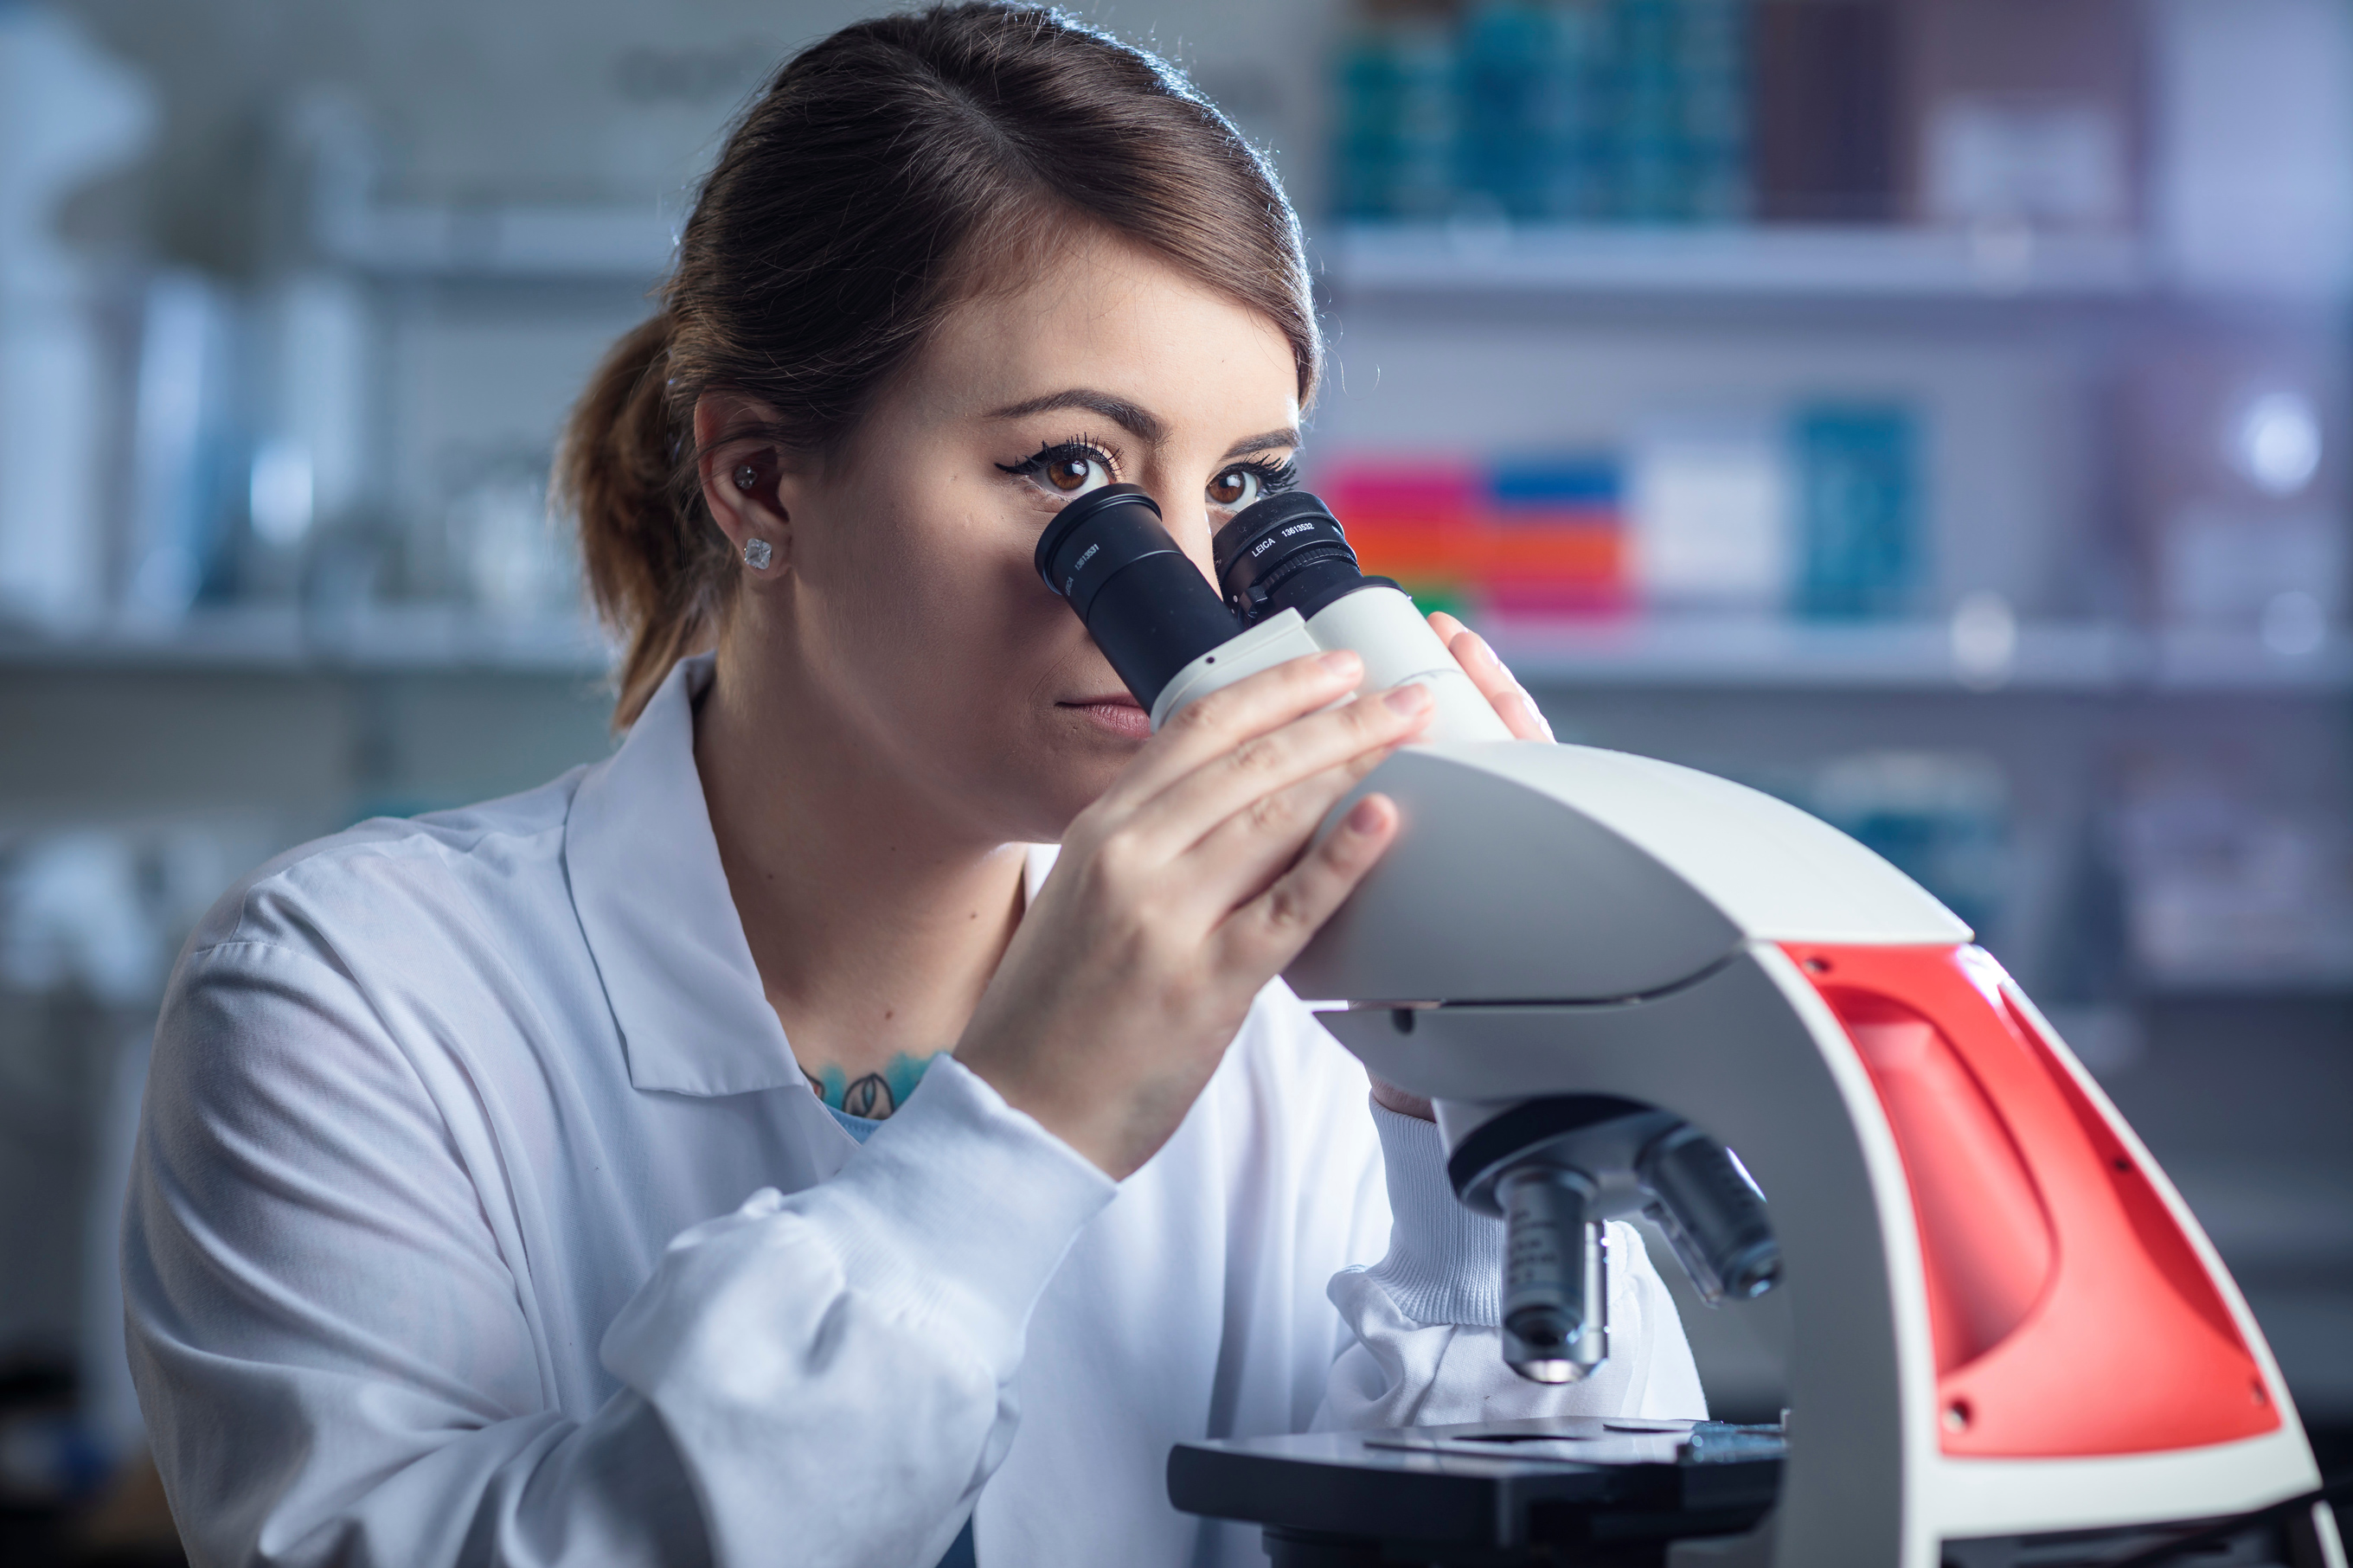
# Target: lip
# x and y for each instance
(1120, 714)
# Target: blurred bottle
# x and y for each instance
(69, 115)
(1394, 116)
(2227, 890)
(187, 455)
(1857, 512)
(515, 564)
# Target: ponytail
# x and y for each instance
(654, 560)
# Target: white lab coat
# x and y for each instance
(481, 1215)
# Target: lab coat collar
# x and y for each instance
(654, 904)
(659, 920)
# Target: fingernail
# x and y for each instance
(1341, 662)
(1364, 816)
(1406, 700)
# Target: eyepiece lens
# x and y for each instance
(1286, 553)
(1142, 599)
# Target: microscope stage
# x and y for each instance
(1471, 1490)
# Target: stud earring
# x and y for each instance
(746, 477)
(756, 554)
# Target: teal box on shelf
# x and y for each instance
(1394, 122)
(1528, 120)
(1857, 512)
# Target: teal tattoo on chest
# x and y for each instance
(874, 1095)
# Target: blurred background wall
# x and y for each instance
(1933, 411)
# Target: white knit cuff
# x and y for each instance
(1445, 1263)
(965, 1207)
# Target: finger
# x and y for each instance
(1241, 857)
(1389, 1097)
(1229, 717)
(1244, 778)
(1447, 628)
(1510, 699)
(1268, 933)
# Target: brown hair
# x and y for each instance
(882, 175)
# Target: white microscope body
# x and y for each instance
(2006, 1321)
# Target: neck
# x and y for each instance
(875, 921)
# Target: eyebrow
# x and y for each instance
(1287, 436)
(1139, 422)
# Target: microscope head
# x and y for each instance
(1571, 875)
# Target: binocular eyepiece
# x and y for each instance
(1287, 584)
(1111, 556)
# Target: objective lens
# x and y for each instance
(1712, 1214)
(1142, 599)
(1286, 553)
(1556, 1275)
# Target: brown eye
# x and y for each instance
(1065, 472)
(1234, 488)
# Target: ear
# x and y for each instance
(734, 442)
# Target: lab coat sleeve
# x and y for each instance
(1427, 1318)
(336, 1364)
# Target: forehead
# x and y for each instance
(1111, 316)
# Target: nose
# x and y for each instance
(1189, 523)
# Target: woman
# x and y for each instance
(484, 1212)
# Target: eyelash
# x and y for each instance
(1274, 479)
(1035, 463)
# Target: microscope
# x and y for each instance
(2012, 1343)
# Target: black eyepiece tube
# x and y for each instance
(1286, 553)
(1142, 599)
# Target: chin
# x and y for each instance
(1072, 771)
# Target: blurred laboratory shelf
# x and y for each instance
(389, 638)
(2088, 657)
(1830, 263)
(1665, 651)
(424, 241)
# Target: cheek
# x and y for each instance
(951, 616)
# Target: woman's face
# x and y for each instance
(914, 609)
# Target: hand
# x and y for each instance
(1512, 701)
(1178, 895)
(1524, 720)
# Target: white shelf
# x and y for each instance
(1688, 651)
(1792, 262)
(1759, 653)
(423, 639)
